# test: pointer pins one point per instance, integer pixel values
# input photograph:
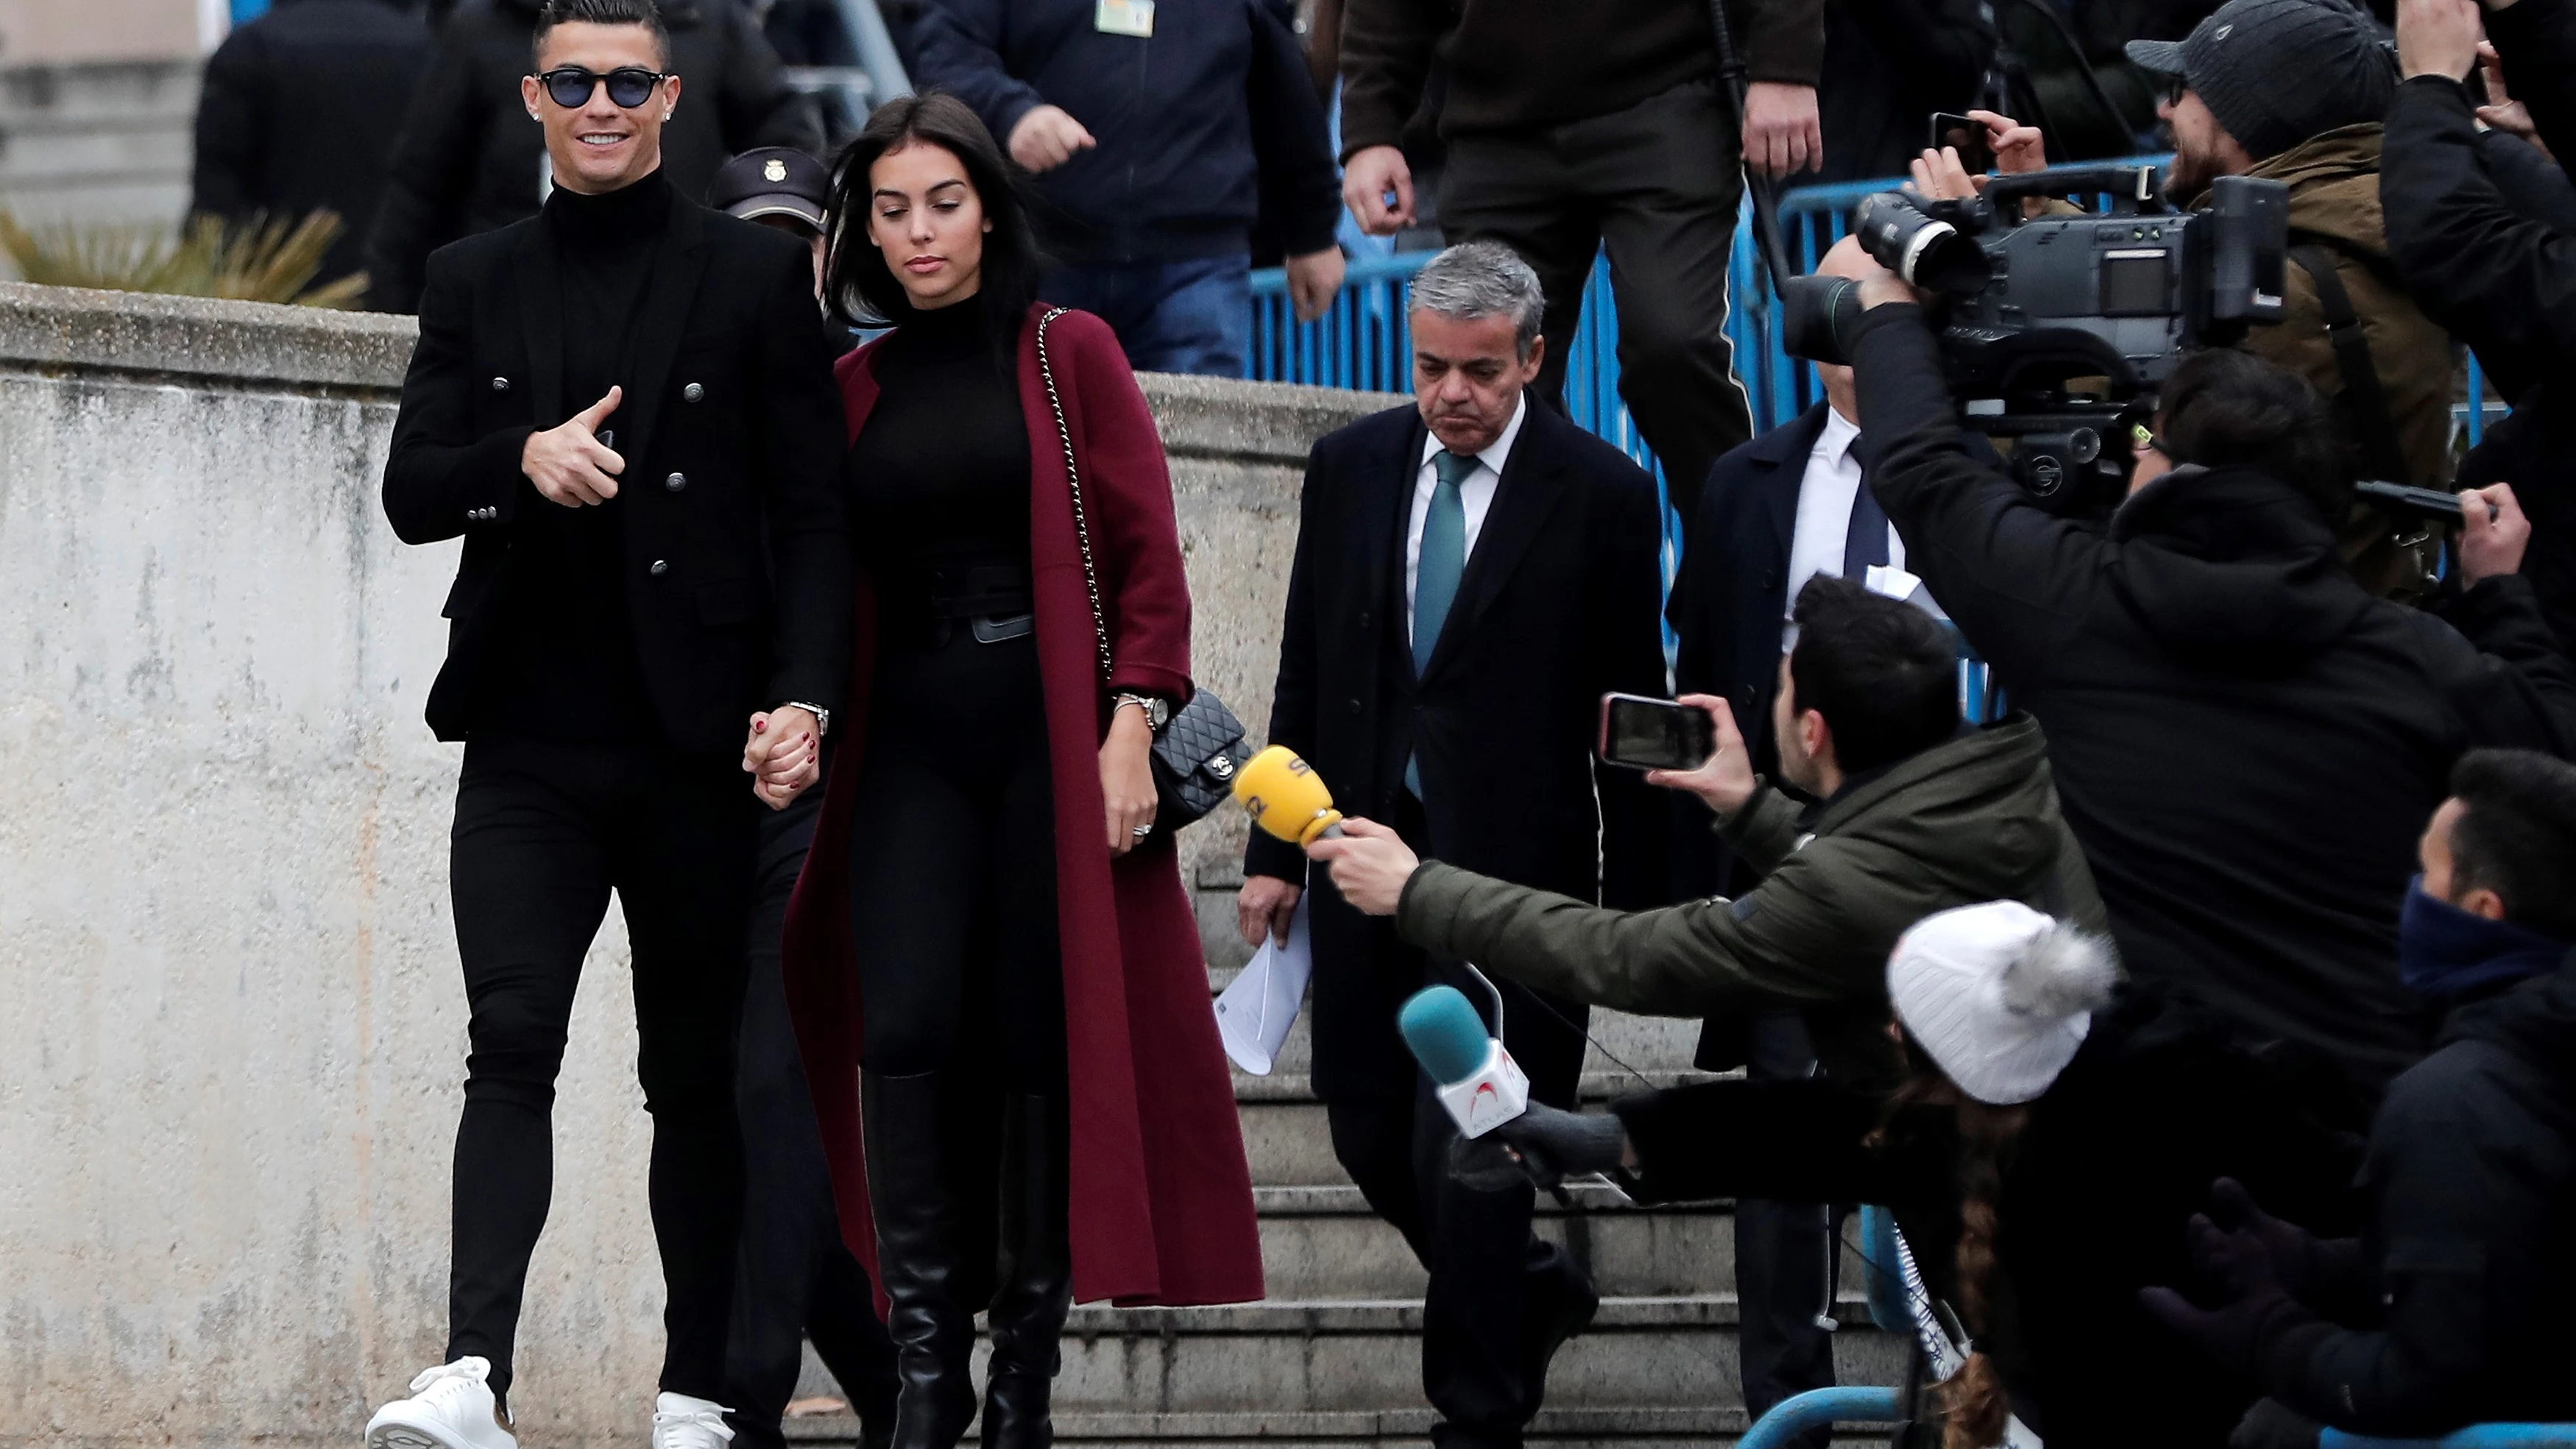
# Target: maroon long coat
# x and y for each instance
(1161, 1198)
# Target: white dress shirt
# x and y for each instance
(1825, 498)
(1475, 494)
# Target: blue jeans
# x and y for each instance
(1193, 316)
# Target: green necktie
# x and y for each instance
(1436, 572)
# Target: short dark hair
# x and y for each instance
(2227, 408)
(601, 12)
(1883, 673)
(2516, 836)
(856, 282)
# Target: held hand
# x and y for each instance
(1941, 176)
(2438, 37)
(1372, 173)
(1313, 281)
(1127, 780)
(2018, 148)
(1543, 1146)
(1047, 137)
(569, 464)
(1782, 132)
(2291, 1249)
(1725, 780)
(783, 754)
(2493, 533)
(2502, 112)
(1264, 906)
(1369, 863)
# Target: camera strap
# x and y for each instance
(2364, 403)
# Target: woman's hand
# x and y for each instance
(1127, 779)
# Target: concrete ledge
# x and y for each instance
(201, 339)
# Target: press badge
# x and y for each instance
(1124, 17)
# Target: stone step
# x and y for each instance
(1654, 1045)
(1323, 1243)
(1289, 1143)
(1391, 1428)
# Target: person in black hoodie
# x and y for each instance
(2246, 742)
(2449, 1309)
(468, 160)
(2482, 227)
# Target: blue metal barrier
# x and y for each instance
(1822, 1409)
(2476, 1436)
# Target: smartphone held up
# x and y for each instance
(1641, 733)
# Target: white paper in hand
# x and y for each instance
(1253, 1015)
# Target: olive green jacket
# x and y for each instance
(1972, 819)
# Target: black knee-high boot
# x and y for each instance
(918, 1260)
(1028, 1309)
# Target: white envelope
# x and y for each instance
(1253, 1015)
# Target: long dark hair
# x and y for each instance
(858, 285)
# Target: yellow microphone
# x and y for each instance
(1286, 797)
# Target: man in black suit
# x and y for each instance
(644, 582)
(1776, 511)
(1472, 574)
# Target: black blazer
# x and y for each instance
(737, 538)
(1558, 606)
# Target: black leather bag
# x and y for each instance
(1198, 750)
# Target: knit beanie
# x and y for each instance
(2276, 72)
(1999, 995)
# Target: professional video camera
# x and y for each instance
(2056, 331)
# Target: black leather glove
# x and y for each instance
(1542, 1147)
(2292, 1249)
(2269, 1425)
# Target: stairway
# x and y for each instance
(1332, 1359)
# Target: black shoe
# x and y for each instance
(1029, 1306)
(932, 1326)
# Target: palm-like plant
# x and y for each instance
(257, 261)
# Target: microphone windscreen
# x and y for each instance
(1285, 795)
(1444, 1033)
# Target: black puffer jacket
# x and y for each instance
(2246, 742)
(469, 160)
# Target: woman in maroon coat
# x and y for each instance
(995, 971)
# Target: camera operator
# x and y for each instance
(2246, 741)
(2446, 1311)
(2483, 228)
(1918, 816)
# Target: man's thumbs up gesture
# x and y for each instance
(569, 464)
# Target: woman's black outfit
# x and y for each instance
(2096, 1189)
(952, 890)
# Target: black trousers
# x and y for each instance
(796, 1279)
(1656, 185)
(1784, 1254)
(544, 831)
(1496, 1286)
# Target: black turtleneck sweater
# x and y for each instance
(939, 476)
(577, 678)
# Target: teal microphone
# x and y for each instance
(1478, 1082)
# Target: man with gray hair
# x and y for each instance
(1472, 574)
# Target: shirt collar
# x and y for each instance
(1837, 437)
(1496, 453)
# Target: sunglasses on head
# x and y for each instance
(629, 86)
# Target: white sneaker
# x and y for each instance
(681, 1422)
(451, 1407)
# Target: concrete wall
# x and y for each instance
(231, 1032)
(100, 142)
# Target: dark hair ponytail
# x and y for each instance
(857, 284)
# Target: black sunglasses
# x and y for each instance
(2175, 86)
(629, 86)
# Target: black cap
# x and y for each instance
(2276, 72)
(772, 181)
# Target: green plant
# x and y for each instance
(257, 261)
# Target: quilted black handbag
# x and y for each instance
(1198, 750)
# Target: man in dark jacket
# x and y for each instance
(2450, 1309)
(2246, 740)
(291, 119)
(1889, 64)
(470, 159)
(1159, 131)
(2483, 228)
(1577, 127)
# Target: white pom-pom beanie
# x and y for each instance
(2000, 995)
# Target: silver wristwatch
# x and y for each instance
(1158, 711)
(822, 716)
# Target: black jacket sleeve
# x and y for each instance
(2512, 687)
(960, 43)
(1292, 148)
(1782, 41)
(2443, 207)
(797, 433)
(2014, 578)
(231, 130)
(2536, 40)
(1626, 637)
(1387, 47)
(1801, 1141)
(757, 106)
(429, 175)
(439, 473)
(1292, 697)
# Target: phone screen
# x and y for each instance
(1969, 136)
(1655, 734)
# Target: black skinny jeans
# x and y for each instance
(952, 868)
(544, 831)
